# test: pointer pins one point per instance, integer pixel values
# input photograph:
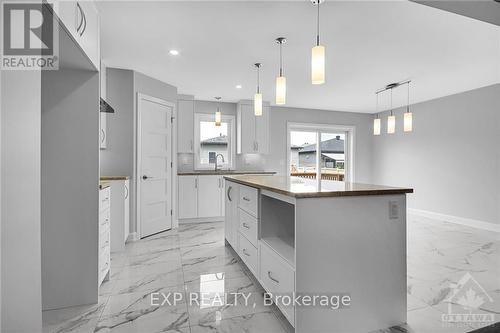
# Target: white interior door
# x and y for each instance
(154, 165)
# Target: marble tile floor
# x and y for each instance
(194, 258)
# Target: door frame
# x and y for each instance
(137, 160)
(350, 144)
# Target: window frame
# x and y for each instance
(350, 135)
(208, 117)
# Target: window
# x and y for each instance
(323, 151)
(213, 142)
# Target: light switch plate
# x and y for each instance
(393, 210)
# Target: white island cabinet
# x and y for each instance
(330, 239)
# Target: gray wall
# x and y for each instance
(118, 158)
(20, 202)
(70, 174)
(452, 157)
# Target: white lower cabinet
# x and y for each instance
(209, 196)
(231, 216)
(200, 196)
(273, 272)
(104, 233)
(277, 276)
(120, 211)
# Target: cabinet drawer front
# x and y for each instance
(248, 253)
(275, 272)
(104, 198)
(248, 200)
(248, 226)
(277, 277)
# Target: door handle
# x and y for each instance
(146, 177)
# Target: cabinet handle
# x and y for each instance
(78, 25)
(229, 193)
(246, 225)
(218, 182)
(246, 199)
(245, 252)
(271, 277)
(103, 135)
(191, 144)
(196, 183)
(84, 23)
(126, 192)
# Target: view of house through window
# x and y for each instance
(213, 139)
(213, 142)
(307, 157)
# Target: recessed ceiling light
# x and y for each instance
(239, 86)
(173, 52)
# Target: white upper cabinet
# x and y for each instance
(252, 131)
(81, 20)
(185, 125)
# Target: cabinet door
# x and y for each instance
(262, 131)
(126, 207)
(209, 196)
(222, 197)
(69, 15)
(231, 195)
(188, 197)
(246, 126)
(89, 32)
(102, 132)
(185, 126)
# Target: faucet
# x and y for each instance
(216, 159)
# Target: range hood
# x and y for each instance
(105, 107)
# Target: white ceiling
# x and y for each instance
(368, 43)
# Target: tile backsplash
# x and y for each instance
(249, 162)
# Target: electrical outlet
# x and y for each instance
(393, 210)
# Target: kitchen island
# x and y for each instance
(340, 240)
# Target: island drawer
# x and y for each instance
(248, 200)
(277, 277)
(248, 253)
(248, 226)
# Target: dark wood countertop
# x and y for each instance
(223, 172)
(104, 184)
(310, 188)
(114, 177)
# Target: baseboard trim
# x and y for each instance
(201, 220)
(455, 219)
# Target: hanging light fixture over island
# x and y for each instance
(281, 80)
(257, 101)
(317, 55)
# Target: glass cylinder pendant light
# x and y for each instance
(257, 101)
(317, 55)
(281, 80)
(376, 121)
(391, 121)
(408, 117)
(218, 115)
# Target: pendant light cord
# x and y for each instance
(258, 80)
(281, 60)
(376, 106)
(317, 27)
(408, 98)
(391, 101)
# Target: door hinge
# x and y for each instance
(172, 119)
(171, 164)
(171, 212)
